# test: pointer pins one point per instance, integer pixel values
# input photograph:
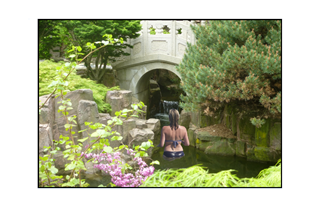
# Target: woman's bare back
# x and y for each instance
(169, 135)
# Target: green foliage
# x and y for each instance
(47, 72)
(80, 32)
(75, 152)
(197, 176)
(48, 37)
(234, 61)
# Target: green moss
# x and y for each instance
(204, 144)
(234, 124)
(262, 135)
(228, 121)
(275, 136)
(245, 126)
(222, 147)
(203, 121)
(240, 148)
(47, 74)
(262, 153)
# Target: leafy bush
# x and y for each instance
(47, 73)
(197, 176)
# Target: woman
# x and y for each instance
(172, 136)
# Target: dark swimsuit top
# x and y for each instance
(175, 143)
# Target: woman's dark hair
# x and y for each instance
(174, 118)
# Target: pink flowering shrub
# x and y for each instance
(114, 168)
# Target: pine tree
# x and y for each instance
(234, 61)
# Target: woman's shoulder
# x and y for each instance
(182, 127)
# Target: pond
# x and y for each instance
(214, 163)
(193, 156)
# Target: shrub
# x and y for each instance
(234, 61)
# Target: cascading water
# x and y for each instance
(163, 114)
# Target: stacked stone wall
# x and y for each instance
(51, 123)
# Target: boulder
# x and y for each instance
(90, 168)
(126, 98)
(275, 136)
(137, 136)
(60, 162)
(195, 118)
(45, 138)
(123, 129)
(154, 125)
(141, 123)
(60, 121)
(264, 154)
(119, 100)
(262, 137)
(75, 97)
(47, 111)
(127, 125)
(240, 148)
(87, 112)
(185, 119)
(104, 118)
(246, 129)
(224, 147)
(192, 139)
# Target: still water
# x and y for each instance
(213, 163)
(193, 156)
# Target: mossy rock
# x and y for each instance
(246, 127)
(222, 147)
(247, 130)
(275, 136)
(191, 136)
(203, 121)
(206, 136)
(202, 145)
(234, 123)
(262, 135)
(262, 154)
(240, 148)
(228, 121)
(195, 118)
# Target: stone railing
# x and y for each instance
(172, 44)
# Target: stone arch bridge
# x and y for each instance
(151, 52)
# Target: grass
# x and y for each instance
(47, 73)
(197, 176)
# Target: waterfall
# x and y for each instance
(163, 113)
(167, 105)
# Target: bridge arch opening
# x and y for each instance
(160, 90)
